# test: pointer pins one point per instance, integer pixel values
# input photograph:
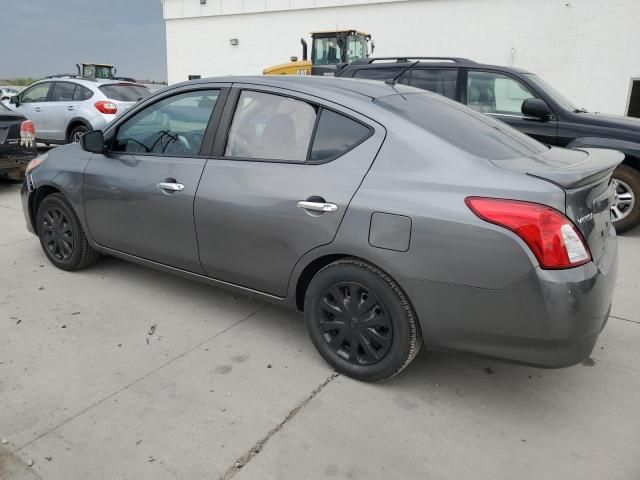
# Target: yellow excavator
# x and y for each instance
(328, 50)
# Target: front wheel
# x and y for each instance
(361, 321)
(61, 236)
(625, 212)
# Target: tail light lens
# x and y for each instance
(107, 107)
(551, 236)
(27, 133)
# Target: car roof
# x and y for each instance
(86, 81)
(391, 62)
(317, 85)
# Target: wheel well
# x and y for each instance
(309, 272)
(74, 124)
(632, 161)
(39, 195)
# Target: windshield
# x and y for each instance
(4, 107)
(356, 47)
(125, 92)
(462, 127)
(326, 51)
(552, 92)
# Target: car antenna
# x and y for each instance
(394, 80)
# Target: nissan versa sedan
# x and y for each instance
(390, 216)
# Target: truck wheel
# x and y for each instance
(361, 321)
(625, 213)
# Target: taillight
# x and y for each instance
(27, 133)
(553, 238)
(104, 106)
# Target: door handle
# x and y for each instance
(70, 108)
(318, 206)
(37, 109)
(170, 186)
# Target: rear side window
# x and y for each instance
(377, 73)
(335, 135)
(270, 127)
(62, 92)
(442, 81)
(82, 93)
(462, 127)
(125, 92)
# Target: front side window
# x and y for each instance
(335, 135)
(272, 127)
(356, 47)
(442, 81)
(326, 51)
(174, 126)
(37, 93)
(490, 92)
(63, 92)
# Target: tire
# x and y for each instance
(628, 189)
(367, 307)
(76, 133)
(61, 236)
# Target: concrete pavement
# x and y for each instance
(124, 372)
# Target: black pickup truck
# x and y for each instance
(17, 143)
(526, 102)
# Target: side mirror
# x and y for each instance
(15, 100)
(93, 141)
(534, 107)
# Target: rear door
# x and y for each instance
(443, 81)
(501, 96)
(59, 110)
(284, 171)
(32, 103)
(138, 196)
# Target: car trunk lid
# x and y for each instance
(585, 177)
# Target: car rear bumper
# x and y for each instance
(548, 318)
(15, 159)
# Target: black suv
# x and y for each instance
(526, 102)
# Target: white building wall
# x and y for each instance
(587, 49)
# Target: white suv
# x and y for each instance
(64, 108)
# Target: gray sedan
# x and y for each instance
(390, 216)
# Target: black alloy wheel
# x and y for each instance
(361, 321)
(355, 323)
(57, 234)
(61, 235)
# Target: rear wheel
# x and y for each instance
(76, 133)
(361, 321)
(625, 213)
(61, 236)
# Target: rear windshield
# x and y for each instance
(125, 92)
(462, 127)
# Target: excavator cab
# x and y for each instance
(96, 70)
(328, 50)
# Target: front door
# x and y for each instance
(139, 196)
(279, 185)
(32, 104)
(501, 96)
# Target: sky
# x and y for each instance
(43, 37)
